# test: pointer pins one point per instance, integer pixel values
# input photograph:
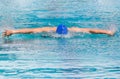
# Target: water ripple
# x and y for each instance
(57, 73)
(7, 57)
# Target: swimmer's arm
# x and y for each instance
(94, 31)
(99, 31)
(28, 31)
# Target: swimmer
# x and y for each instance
(60, 29)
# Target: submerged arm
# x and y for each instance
(27, 31)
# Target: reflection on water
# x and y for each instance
(76, 56)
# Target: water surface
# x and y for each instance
(80, 56)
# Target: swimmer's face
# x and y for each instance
(62, 29)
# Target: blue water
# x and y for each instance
(78, 56)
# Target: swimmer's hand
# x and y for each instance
(111, 33)
(7, 33)
(112, 30)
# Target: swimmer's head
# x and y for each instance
(62, 29)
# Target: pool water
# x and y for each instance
(77, 56)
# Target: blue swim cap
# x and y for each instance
(62, 29)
